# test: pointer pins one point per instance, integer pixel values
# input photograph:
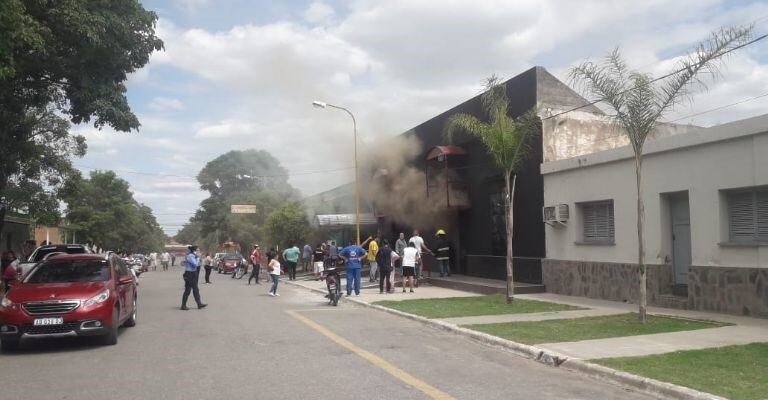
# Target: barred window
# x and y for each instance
(597, 222)
(748, 216)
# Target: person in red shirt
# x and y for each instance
(256, 261)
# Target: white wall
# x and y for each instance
(580, 133)
(703, 163)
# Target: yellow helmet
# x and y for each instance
(440, 232)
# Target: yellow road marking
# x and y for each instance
(398, 373)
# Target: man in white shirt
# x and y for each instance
(421, 247)
(411, 258)
(165, 259)
(153, 260)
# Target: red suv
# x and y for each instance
(70, 295)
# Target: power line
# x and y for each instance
(756, 22)
(188, 213)
(656, 79)
(720, 107)
(127, 171)
(620, 136)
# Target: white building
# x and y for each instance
(706, 213)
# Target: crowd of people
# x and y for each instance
(387, 263)
(164, 259)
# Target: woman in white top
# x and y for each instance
(274, 272)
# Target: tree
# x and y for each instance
(243, 171)
(190, 233)
(639, 101)
(238, 177)
(508, 141)
(288, 225)
(39, 166)
(105, 213)
(247, 229)
(64, 58)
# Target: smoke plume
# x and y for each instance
(395, 183)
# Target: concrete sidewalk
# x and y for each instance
(629, 307)
(542, 316)
(369, 292)
(632, 346)
(744, 330)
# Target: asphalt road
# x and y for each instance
(247, 345)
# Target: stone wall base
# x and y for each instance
(730, 290)
(603, 280)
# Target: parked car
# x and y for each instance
(42, 252)
(228, 263)
(70, 295)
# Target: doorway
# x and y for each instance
(681, 236)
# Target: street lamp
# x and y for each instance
(322, 104)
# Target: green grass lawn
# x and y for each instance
(576, 329)
(472, 306)
(735, 372)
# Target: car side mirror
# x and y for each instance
(125, 279)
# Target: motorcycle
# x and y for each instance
(240, 270)
(333, 281)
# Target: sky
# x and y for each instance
(239, 74)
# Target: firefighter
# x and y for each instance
(442, 253)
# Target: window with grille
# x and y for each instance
(597, 222)
(748, 216)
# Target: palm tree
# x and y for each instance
(509, 143)
(639, 101)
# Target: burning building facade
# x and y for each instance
(420, 181)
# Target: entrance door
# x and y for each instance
(681, 236)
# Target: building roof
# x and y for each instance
(341, 220)
(553, 93)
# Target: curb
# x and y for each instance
(547, 357)
(647, 385)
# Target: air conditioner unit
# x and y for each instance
(556, 215)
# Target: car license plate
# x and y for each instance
(49, 321)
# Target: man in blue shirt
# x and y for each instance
(353, 256)
(190, 278)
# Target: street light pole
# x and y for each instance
(321, 104)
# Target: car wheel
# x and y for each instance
(111, 337)
(9, 345)
(132, 320)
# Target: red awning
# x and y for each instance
(438, 151)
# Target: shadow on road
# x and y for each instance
(58, 345)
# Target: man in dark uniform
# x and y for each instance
(443, 253)
(190, 278)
